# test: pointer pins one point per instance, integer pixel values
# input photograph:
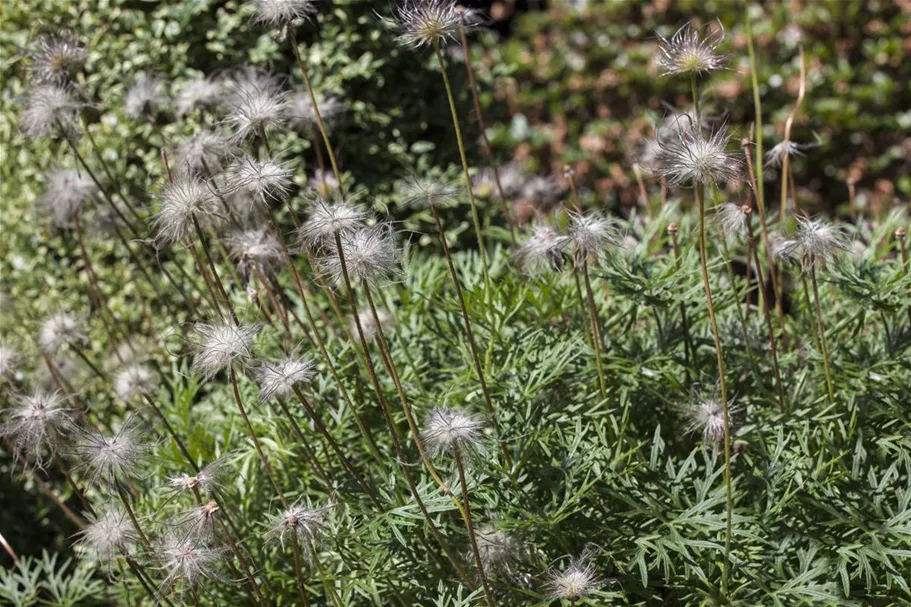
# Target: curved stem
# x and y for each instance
(466, 515)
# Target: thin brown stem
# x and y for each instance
(469, 525)
(786, 142)
(309, 454)
(215, 277)
(143, 538)
(822, 335)
(597, 334)
(688, 352)
(298, 574)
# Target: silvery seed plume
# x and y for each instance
(199, 93)
(690, 51)
(208, 479)
(815, 242)
(733, 218)
(186, 559)
(422, 193)
(544, 190)
(133, 381)
(424, 23)
(574, 582)
(145, 96)
(9, 362)
(446, 429)
(106, 458)
(255, 247)
(301, 113)
(324, 183)
(706, 416)
(371, 256)
(47, 108)
(325, 220)
(108, 535)
(498, 549)
(35, 424)
(262, 180)
(56, 58)
(197, 523)
(181, 202)
(303, 521)
(368, 323)
(668, 127)
(280, 378)
(255, 105)
(279, 14)
(61, 329)
(591, 234)
(202, 156)
(512, 179)
(775, 156)
(689, 157)
(66, 194)
(544, 251)
(221, 346)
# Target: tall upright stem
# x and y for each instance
(469, 525)
(688, 352)
(143, 538)
(757, 108)
(479, 114)
(786, 142)
(215, 277)
(597, 334)
(305, 600)
(822, 335)
(703, 262)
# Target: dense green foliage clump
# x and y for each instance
(509, 423)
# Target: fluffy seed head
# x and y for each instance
(60, 329)
(65, 195)
(56, 58)
(280, 378)
(497, 548)
(324, 183)
(544, 251)
(706, 416)
(776, 155)
(544, 190)
(424, 193)
(512, 179)
(109, 457)
(185, 558)
(690, 51)
(325, 220)
(200, 521)
(108, 534)
(47, 108)
(283, 13)
(301, 113)
(370, 256)
(733, 218)
(202, 155)
(689, 156)
(255, 105)
(815, 242)
(222, 346)
(591, 234)
(572, 583)
(199, 93)
(446, 429)
(181, 202)
(144, 97)
(262, 180)
(133, 381)
(255, 247)
(208, 479)
(302, 520)
(368, 323)
(35, 424)
(9, 362)
(424, 23)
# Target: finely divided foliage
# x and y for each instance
(522, 422)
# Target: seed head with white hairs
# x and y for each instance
(370, 256)
(326, 219)
(280, 378)
(35, 424)
(447, 429)
(690, 51)
(222, 346)
(183, 202)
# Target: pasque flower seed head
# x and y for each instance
(815, 242)
(370, 256)
(35, 424)
(544, 251)
(280, 378)
(263, 180)
(144, 97)
(689, 156)
(109, 457)
(59, 330)
(279, 14)
(49, 107)
(133, 381)
(221, 346)
(255, 247)
(183, 202)
(66, 194)
(574, 582)
(56, 58)
(690, 51)
(424, 23)
(326, 219)
(446, 429)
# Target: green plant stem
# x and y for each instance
(688, 352)
(822, 335)
(703, 262)
(309, 454)
(597, 335)
(751, 360)
(469, 525)
(215, 277)
(900, 236)
(302, 590)
(586, 324)
(143, 538)
(458, 132)
(479, 115)
(324, 578)
(757, 108)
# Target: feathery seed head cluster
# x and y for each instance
(428, 22)
(65, 195)
(370, 256)
(134, 380)
(255, 247)
(199, 93)
(775, 156)
(497, 548)
(691, 157)
(256, 104)
(221, 346)
(544, 190)
(591, 234)
(56, 58)
(108, 535)
(47, 108)
(283, 13)
(301, 113)
(368, 323)
(202, 155)
(35, 424)
(324, 183)
(61, 329)
(145, 96)
(733, 218)
(325, 220)
(544, 251)
(575, 582)
(512, 179)
(424, 193)
(262, 180)
(280, 378)
(815, 242)
(108, 457)
(690, 51)
(200, 521)
(9, 362)
(706, 416)
(303, 521)
(447, 429)
(184, 558)
(182, 202)
(208, 479)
